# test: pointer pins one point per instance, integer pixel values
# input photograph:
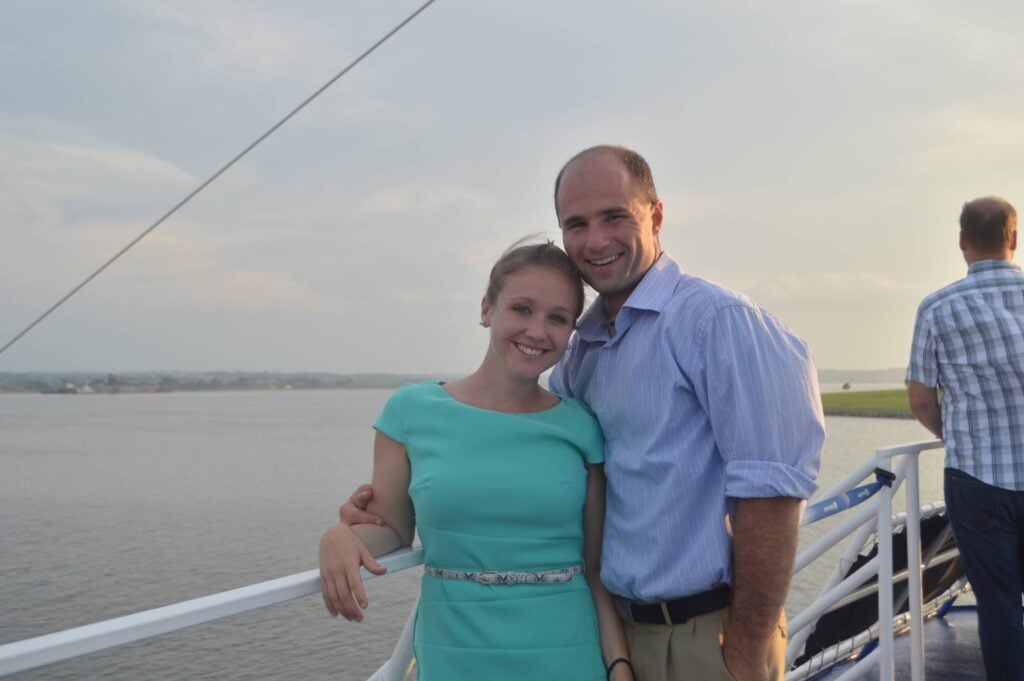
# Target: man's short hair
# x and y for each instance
(635, 164)
(988, 223)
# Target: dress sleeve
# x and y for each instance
(924, 365)
(391, 421)
(764, 404)
(592, 439)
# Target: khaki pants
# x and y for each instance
(692, 651)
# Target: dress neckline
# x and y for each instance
(440, 387)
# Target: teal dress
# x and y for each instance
(505, 492)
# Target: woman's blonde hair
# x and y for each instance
(545, 254)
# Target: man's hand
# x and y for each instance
(353, 511)
(743, 662)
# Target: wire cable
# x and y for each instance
(217, 174)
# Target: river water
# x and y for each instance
(110, 504)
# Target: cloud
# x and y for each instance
(424, 199)
(849, 289)
(42, 170)
(982, 133)
(186, 268)
(240, 37)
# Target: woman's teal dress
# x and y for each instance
(505, 492)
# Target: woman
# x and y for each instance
(508, 492)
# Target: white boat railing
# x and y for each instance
(874, 517)
(91, 638)
(871, 517)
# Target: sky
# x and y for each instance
(813, 155)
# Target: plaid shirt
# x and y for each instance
(969, 340)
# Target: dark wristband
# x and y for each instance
(615, 662)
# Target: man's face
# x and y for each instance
(609, 232)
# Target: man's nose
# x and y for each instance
(596, 239)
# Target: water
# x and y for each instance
(110, 504)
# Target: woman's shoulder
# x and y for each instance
(422, 389)
(413, 394)
(579, 420)
(577, 410)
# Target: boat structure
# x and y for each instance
(886, 608)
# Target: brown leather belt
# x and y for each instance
(676, 611)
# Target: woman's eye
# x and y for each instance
(559, 319)
(521, 309)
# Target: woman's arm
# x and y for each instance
(343, 549)
(613, 636)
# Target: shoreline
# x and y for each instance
(869, 414)
(890, 404)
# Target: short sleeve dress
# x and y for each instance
(505, 492)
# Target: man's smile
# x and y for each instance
(605, 261)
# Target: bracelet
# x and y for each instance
(615, 662)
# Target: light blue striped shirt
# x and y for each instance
(703, 397)
(969, 340)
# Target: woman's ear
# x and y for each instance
(485, 312)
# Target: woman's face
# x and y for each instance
(531, 320)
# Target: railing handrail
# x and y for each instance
(62, 645)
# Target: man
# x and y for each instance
(969, 342)
(711, 413)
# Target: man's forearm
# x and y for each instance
(930, 416)
(924, 404)
(764, 549)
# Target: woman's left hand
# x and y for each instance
(342, 553)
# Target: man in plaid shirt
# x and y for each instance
(969, 345)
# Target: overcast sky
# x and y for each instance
(812, 154)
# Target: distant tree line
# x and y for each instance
(180, 381)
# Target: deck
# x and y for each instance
(951, 650)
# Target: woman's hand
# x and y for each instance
(341, 555)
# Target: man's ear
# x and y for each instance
(657, 216)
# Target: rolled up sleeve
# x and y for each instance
(764, 405)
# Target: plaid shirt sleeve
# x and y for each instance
(924, 365)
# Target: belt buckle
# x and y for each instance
(487, 577)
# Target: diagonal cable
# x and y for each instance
(217, 174)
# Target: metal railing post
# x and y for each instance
(914, 569)
(886, 668)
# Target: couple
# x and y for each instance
(712, 430)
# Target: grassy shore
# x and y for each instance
(878, 403)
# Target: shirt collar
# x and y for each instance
(992, 266)
(652, 293)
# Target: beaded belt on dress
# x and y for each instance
(557, 576)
